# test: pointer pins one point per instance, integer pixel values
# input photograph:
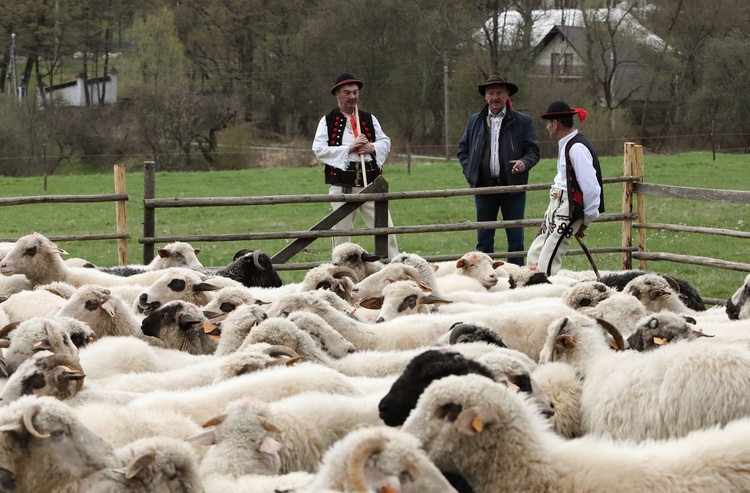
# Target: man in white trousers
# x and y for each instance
(339, 143)
(576, 196)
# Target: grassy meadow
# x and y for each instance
(693, 169)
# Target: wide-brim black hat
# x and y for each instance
(497, 80)
(344, 79)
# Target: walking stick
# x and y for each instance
(588, 255)
(361, 156)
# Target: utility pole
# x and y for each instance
(13, 64)
(445, 95)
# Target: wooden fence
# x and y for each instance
(632, 216)
(120, 198)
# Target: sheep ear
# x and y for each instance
(434, 267)
(449, 412)
(434, 300)
(461, 263)
(163, 253)
(215, 421)
(370, 257)
(4, 343)
(108, 307)
(207, 437)
(269, 445)
(270, 425)
(59, 250)
(13, 427)
(374, 303)
(138, 464)
(497, 264)
(187, 322)
(41, 346)
(473, 420)
(565, 341)
(205, 286)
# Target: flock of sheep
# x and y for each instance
(406, 376)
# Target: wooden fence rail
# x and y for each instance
(120, 198)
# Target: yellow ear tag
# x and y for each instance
(659, 341)
(386, 488)
(477, 424)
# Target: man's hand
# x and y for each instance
(366, 149)
(579, 233)
(517, 166)
(360, 141)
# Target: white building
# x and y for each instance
(73, 93)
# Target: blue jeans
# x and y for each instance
(512, 207)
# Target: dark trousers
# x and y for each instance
(512, 207)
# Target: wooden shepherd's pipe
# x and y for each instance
(361, 156)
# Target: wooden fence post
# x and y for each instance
(641, 203)
(381, 221)
(149, 213)
(627, 205)
(121, 216)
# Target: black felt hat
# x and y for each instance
(561, 108)
(344, 79)
(497, 80)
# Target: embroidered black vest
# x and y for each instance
(352, 176)
(575, 194)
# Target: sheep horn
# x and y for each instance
(355, 470)
(8, 329)
(256, 256)
(215, 421)
(69, 361)
(460, 330)
(614, 332)
(672, 283)
(28, 417)
(340, 271)
(279, 350)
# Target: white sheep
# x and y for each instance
(657, 293)
(114, 355)
(36, 257)
(29, 304)
(495, 438)
(43, 445)
(157, 464)
(35, 335)
(376, 459)
(229, 298)
(44, 374)
(655, 394)
(587, 294)
(179, 284)
(106, 314)
(561, 384)
(271, 384)
(521, 326)
(356, 258)
(244, 454)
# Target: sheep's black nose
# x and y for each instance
(379, 320)
(143, 298)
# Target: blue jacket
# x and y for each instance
(517, 141)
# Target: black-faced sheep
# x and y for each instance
(419, 373)
(738, 306)
(180, 325)
(251, 268)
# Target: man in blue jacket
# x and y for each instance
(499, 148)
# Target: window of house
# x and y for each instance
(554, 66)
(567, 67)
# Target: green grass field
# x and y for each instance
(694, 169)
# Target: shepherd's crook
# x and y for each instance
(361, 156)
(588, 255)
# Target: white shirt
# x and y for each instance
(339, 156)
(583, 165)
(495, 123)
